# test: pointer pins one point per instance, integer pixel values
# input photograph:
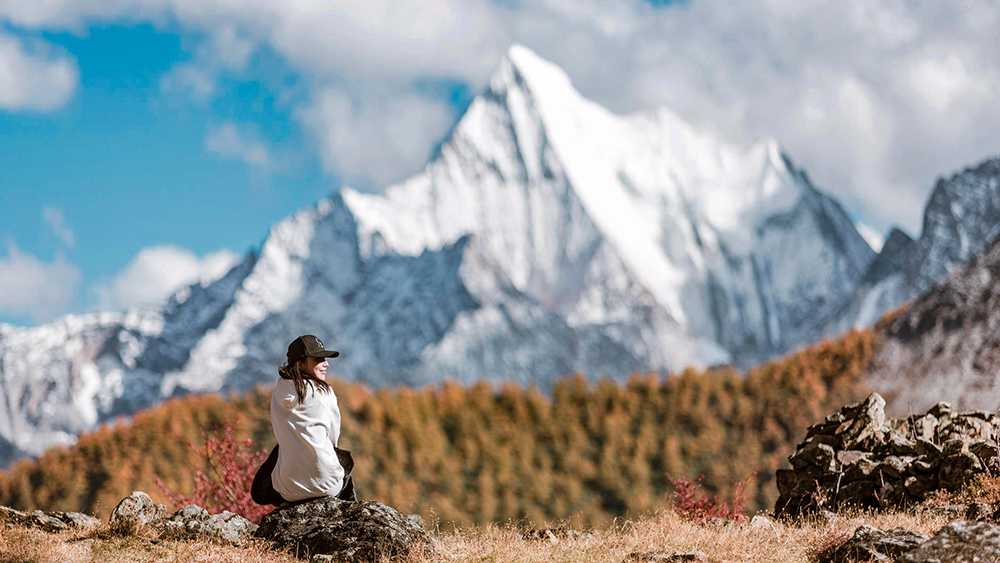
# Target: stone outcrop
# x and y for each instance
(872, 544)
(135, 510)
(53, 521)
(859, 457)
(351, 531)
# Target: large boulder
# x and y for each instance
(959, 542)
(137, 509)
(865, 420)
(353, 531)
(872, 544)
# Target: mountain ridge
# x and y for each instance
(546, 237)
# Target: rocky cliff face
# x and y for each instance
(961, 219)
(547, 236)
(946, 345)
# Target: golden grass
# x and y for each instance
(664, 532)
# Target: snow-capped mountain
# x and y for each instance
(961, 218)
(546, 236)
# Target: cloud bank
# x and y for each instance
(873, 97)
(32, 78)
(158, 271)
(33, 288)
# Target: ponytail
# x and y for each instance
(300, 378)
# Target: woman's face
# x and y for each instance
(317, 367)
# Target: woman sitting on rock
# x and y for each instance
(305, 418)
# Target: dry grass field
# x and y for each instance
(663, 532)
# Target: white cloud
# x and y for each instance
(158, 271)
(32, 78)
(378, 140)
(36, 289)
(873, 97)
(225, 50)
(57, 222)
(230, 140)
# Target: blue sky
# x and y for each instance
(148, 143)
(126, 163)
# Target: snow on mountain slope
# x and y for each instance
(547, 236)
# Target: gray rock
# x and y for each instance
(958, 469)
(814, 453)
(925, 427)
(861, 470)
(952, 511)
(959, 542)
(41, 520)
(894, 466)
(866, 424)
(47, 521)
(872, 544)
(194, 522)
(76, 519)
(928, 449)
(847, 458)
(970, 426)
(363, 531)
(919, 485)
(954, 446)
(921, 466)
(986, 451)
(939, 410)
(134, 510)
(759, 522)
(825, 428)
(901, 445)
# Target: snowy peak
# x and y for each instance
(547, 236)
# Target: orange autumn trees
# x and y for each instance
(472, 454)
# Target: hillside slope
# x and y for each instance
(473, 454)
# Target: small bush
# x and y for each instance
(827, 545)
(691, 502)
(231, 465)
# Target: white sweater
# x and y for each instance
(307, 463)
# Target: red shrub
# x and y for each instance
(231, 466)
(691, 502)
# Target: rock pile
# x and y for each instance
(859, 457)
(190, 522)
(137, 511)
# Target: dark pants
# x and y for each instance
(262, 490)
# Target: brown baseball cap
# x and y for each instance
(308, 346)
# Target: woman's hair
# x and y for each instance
(301, 378)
